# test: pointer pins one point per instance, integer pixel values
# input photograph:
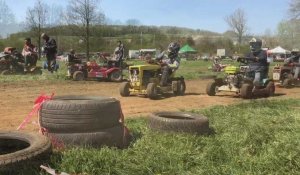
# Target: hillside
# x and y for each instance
(104, 38)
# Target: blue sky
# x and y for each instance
(195, 14)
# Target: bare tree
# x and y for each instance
(36, 20)
(133, 22)
(6, 15)
(287, 33)
(83, 14)
(7, 20)
(238, 23)
(294, 8)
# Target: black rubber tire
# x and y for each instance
(78, 76)
(246, 91)
(179, 122)
(5, 72)
(116, 76)
(152, 91)
(287, 83)
(69, 114)
(106, 137)
(270, 89)
(211, 88)
(124, 89)
(19, 148)
(181, 87)
(37, 72)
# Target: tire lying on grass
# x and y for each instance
(179, 121)
(18, 148)
(68, 114)
(114, 136)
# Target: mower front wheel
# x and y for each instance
(211, 88)
(152, 90)
(78, 76)
(180, 87)
(287, 83)
(124, 89)
(116, 76)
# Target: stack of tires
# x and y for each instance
(84, 121)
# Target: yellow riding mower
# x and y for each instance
(240, 81)
(145, 80)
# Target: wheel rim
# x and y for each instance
(79, 77)
(116, 76)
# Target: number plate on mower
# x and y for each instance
(276, 76)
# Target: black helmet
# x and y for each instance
(28, 39)
(295, 52)
(173, 49)
(255, 44)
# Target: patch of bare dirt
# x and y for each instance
(17, 98)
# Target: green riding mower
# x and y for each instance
(145, 80)
(239, 80)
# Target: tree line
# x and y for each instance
(83, 26)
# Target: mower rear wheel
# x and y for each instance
(270, 89)
(246, 91)
(152, 90)
(211, 88)
(5, 72)
(37, 72)
(116, 76)
(78, 76)
(124, 89)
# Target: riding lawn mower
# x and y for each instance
(239, 80)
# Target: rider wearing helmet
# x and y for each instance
(295, 61)
(171, 63)
(258, 65)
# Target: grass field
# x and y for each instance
(259, 137)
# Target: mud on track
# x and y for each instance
(17, 98)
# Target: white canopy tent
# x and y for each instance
(279, 50)
(278, 54)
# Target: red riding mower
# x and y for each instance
(12, 62)
(285, 75)
(92, 70)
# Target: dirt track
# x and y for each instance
(17, 98)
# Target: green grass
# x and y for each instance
(259, 137)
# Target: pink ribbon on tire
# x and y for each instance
(37, 106)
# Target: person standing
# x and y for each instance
(50, 49)
(119, 54)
